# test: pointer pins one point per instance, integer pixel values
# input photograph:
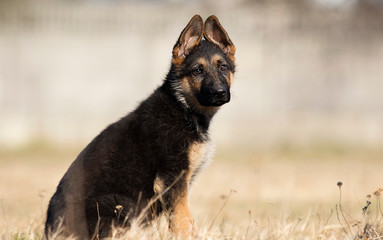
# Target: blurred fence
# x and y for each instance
(305, 71)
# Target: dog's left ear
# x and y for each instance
(189, 38)
(215, 33)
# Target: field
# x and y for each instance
(280, 193)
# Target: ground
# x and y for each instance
(278, 193)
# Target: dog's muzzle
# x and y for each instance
(215, 97)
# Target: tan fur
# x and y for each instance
(177, 60)
(187, 89)
(190, 43)
(230, 79)
(202, 61)
(182, 222)
(199, 154)
(231, 51)
(188, 86)
(158, 186)
(209, 34)
(215, 59)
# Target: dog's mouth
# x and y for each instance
(219, 103)
(214, 101)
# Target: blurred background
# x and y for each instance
(306, 109)
(309, 71)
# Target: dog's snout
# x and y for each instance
(220, 93)
(214, 96)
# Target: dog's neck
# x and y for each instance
(200, 122)
(197, 120)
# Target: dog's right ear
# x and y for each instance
(189, 38)
(214, 32)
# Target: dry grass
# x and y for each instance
(257, 195)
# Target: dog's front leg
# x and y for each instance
(181, 220)
(175, 200)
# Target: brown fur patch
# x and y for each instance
(182, 222)
(158, 186)
(230, 79)
(177, 60)
(230, 52)
(189, 38)
(198, 155)
(202, 61)
(215, 59)
(189, 87)
(214, 32)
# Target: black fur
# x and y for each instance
(119, 167)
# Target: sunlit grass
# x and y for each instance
(339, 224)
(244, 194)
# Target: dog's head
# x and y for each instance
(203, 62)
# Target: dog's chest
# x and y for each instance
(199, 155)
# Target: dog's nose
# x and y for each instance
(220, 93)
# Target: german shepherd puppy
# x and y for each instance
(157, 149)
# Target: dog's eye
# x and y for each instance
(223, 68)
(196, 71)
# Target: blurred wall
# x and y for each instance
(307, 70)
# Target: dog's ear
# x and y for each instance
(189, 38)
(215, 33)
